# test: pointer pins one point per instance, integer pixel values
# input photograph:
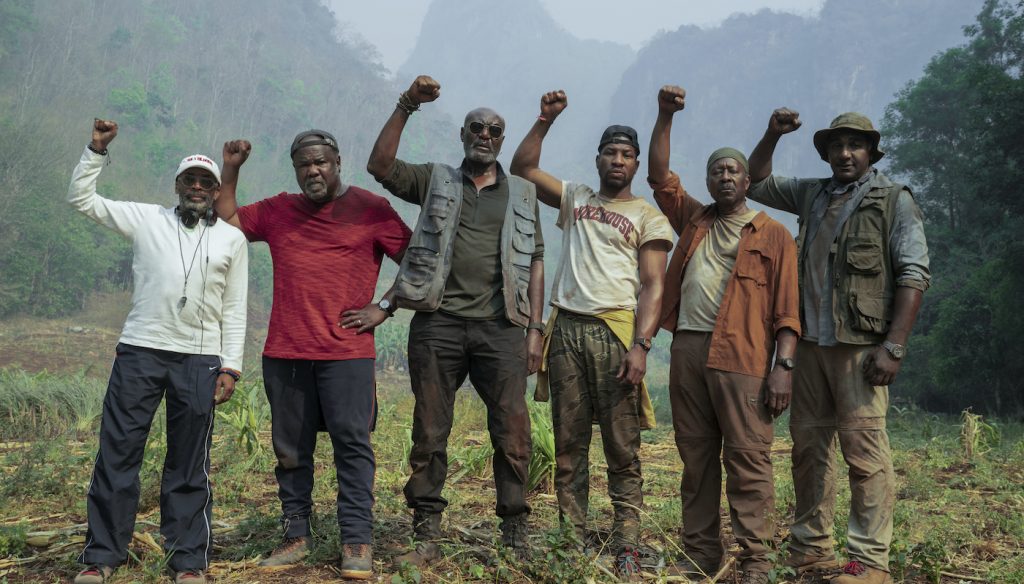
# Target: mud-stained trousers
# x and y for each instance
(138, 382)
(341, 395)
(712, 409)
(584, 357)
(830, 397)
(443, 350)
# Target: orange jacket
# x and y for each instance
(761, 296)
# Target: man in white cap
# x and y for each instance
(184, 337)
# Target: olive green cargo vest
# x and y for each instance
(428, 259)
(864, 284)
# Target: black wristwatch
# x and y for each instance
(536, 326)
(644, 343)
(786, 363)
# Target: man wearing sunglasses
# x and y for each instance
(183, 337)
(474, 273)
(327, 244)
(607, 296)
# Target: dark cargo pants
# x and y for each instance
(443, 350)
(584, 357)
(138, 381)
(721, 415)
(341, 395)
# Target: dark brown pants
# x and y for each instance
(711, 408)
(443, 350)
(583, 360)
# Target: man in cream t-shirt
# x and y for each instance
(607, 295)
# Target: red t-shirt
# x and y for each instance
(326, 260)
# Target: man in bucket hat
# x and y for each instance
(183, 339)
(863, 270)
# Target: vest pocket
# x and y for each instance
(414, 277)
(869, 313)
(863, 256)
(521, 277)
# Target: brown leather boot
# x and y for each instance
(426, 530)
(356, 561)
(802, 562)
(291, 551)
(858, 573)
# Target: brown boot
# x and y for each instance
(291, 551)
(802, 562)
(515, 533)
(858, 573)
(426, 530)
(356, 561)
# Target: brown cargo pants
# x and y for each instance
(711, 408)
(831, 396)
(584, 357)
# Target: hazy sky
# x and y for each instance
(392, 25)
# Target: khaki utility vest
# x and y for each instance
(428, 259)
(864, 284)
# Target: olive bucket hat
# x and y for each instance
(852, 121)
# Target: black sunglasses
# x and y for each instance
(493, 130)
(205, 182)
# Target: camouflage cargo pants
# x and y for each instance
(583, 359)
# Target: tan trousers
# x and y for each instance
(711, 408)
(831, 396)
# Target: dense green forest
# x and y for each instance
(179, 77)
(955, 134)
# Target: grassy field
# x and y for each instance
(959, 515)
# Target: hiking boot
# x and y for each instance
(627, 564)
(691, 570)
(356, 561)
(751, 577)
(515, 532)
(292, 550)
(802, 562)
(190, 577)
(426, 530)
(857, 573)
(424, 553)
(96, 574)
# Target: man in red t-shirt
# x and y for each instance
(327, 245)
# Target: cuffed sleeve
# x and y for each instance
(233, 309)
(408, 182)
(907, 244)
(780, 193)
(786, 312)
(673, 200)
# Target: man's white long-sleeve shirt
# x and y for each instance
(212, 320)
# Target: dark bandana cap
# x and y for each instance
(619, 135)
(324, 139)
(728, 152)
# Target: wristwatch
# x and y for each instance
(536, 326)
(644, 343)
(897, 351)
(786, 363)
(386, 306)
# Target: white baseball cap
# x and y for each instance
(198, 161)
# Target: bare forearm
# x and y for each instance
(648, 308)
(761, 157)
(785, 343)
(385, 149)
(535, 291)
(906, 305)
(527, 156)
(661, 146)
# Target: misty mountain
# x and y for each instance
(505, 55)
(852, 56)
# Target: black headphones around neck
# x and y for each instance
(191, 218)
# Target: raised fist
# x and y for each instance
(236, 152)
(424, 89)
(784, 121)
(553, 103)
(671, 99)
(103, 133)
